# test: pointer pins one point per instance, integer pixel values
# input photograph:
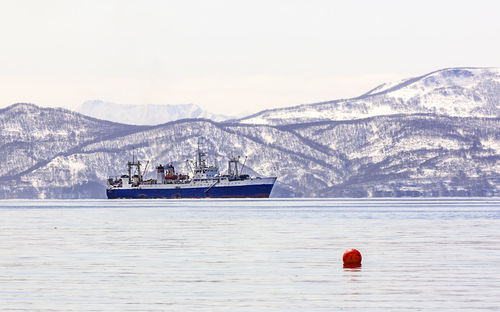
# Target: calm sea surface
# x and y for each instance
(249, 255)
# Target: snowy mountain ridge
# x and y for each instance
(460, 92)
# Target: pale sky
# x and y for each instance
(232, 56)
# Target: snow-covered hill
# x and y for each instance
(399, 155)
(31, 135)
(461, 92)
(145, 114)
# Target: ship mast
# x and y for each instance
(137, 166)
(200, 161)
(232, 165)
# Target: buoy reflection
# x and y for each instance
(353, 267)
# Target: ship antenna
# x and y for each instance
(199, 154)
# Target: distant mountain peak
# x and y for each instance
(149, 114)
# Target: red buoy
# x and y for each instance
(352, 258)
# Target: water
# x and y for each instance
(249, 255)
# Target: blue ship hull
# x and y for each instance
(243, 191)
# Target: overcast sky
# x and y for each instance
(232, 56)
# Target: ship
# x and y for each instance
(206, 181)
